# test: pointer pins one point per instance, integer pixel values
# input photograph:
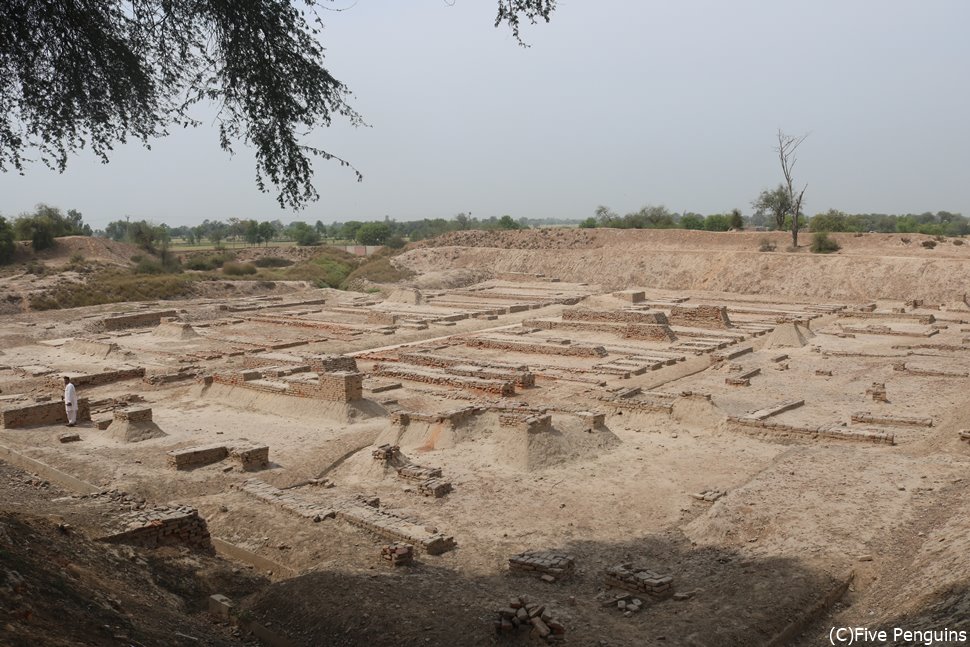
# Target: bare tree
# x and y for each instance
(787, 146)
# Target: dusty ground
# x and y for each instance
(812, 532)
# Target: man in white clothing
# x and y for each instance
(70, 401)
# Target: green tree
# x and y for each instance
(506, 222)
(267, 232)
(304, 234)
(589, 223)
(831, 220)
(692, 221)
(95, 74)
(735, 220)
(717, 222)
(606, 216)
(373, 233)
(7, 244)
(349, 229)
(774, 203)
(252, 232)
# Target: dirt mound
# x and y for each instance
(57, 588)
(90, 248)
(789, 335)
(873, 266)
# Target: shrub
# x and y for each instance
(905, 240)
(272, 261)
(957, 241)
(379, 270)
(928, 244)
(149, 266)
(822, 244)
(77, 258)
(766, 245)
(35, 268)
(233, 268)
(206, 262)
(112, 287)
(7, 244)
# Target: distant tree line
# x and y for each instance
(40, 227)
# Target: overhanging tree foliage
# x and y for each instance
(95, 74)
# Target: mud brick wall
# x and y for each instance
(542, 562)
(592, 418)
(532, 424)
(394, 528)
(251, 457)
(181, 526)
(633, 296)
(700, 316)
(615, 316)
(524, 379)
(857, 314)
(570, 350)
(133, 414)
(655, 585)
(134, 320)
(881, 419)
(377, 317)
(453, 416)
(434, 487)
(517, 373)
(183, 459)
(499, 387)
(93, 347)
(17, 416)
(651, 332)
(332, 363)
(341, 386)
(867, 435)
(99, 379)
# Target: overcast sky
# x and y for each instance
(617, 102)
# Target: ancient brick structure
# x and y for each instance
(615, 316)
(378, 317)
(644, 331)
(27, 414)
(431, 376)
(98, 379)
(92, 347)
(528, 423)
(163, 526)
(572, 350)
(192, 457)
(134, 320)
(896, 421)
(386, 453)
(878, 392)
(633, 296)
(825, 431)
(517, 373)
(551, 564)
(339, 386)
(650, 583)
(250, 458)
(702, 316)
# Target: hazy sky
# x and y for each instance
(617, 102)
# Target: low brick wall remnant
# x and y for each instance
(701, 316)
(20, 415)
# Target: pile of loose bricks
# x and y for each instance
(521, 616)
(650, 583)
(398, 554)
(548, 565)
(878, 392)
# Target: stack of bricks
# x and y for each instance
(398, 554)
(965, 435)
(151, 526)
(546, 564)
(521, 616)
(700, 316)
(429, 481)
(652, 584)
(878, 392)
(386, 452)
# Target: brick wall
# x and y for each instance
(573, 350)
(190, 457)
(17, 416)
(615, 316)
(134, 320)
(181, 526)
(133, 414)
(99, 379)
(499, 387)
(703, 316)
